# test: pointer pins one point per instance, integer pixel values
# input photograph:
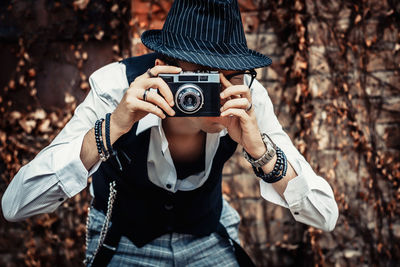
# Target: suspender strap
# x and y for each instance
(109, 247)
(241, 256)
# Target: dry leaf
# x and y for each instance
(69, 98)
(99, 35)
(27, 125)
(84, 55)
(77, 54)
(81, 4)
(11, 84)
(357, 19)
(114, 23)
(83, 76)
(115, 48)
(31, 72)
(33, 92)
(114, 8)
(15, 115)
(69, 243)
(84, 85)
(44, 126)
(39, 114)
(21, 80)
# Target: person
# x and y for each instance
(156, 176)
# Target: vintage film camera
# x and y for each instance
(196, 94)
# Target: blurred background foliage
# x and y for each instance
(334, 81)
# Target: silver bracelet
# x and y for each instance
(268, 155)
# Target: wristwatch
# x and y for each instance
(268, 155)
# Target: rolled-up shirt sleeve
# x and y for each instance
(308, 196)
(57, 172)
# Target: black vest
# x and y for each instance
(145, 211)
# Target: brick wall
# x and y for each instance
(335, 86)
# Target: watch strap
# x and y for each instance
(268, 155)
(278, 172)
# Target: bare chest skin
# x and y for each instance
(187, 148)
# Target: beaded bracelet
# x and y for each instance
(104, 155)
(105, 151)
(279, 170)
(96, 135)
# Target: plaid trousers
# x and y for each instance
(172, 249)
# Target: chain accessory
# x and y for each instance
(268, 155)
(106, 224)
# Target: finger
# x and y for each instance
(158, 100)
(164, 69)
(156, 70)
(237, 103)
(224, 81)
(237, 112)
(151, 108)
(162, 86)
(225, 84)
(134, 102)
(236, 90)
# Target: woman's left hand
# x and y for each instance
(239, 117)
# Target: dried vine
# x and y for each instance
(28, 126)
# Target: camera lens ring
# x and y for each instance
(185, 90)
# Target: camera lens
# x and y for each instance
(189, 98)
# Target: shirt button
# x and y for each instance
(168, 206)
(169, 186)
(296, 213)
(60, 199)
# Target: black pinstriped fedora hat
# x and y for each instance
(205, 32)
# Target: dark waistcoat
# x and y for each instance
(145, 211)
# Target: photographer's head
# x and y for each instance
(208, 33)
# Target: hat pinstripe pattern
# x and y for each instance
(205, 32)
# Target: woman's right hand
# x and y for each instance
(133, 107)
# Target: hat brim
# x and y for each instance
(248, 59)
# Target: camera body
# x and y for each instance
(196, 94)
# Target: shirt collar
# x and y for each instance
(148, 121)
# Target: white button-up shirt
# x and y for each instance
(57, 172)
